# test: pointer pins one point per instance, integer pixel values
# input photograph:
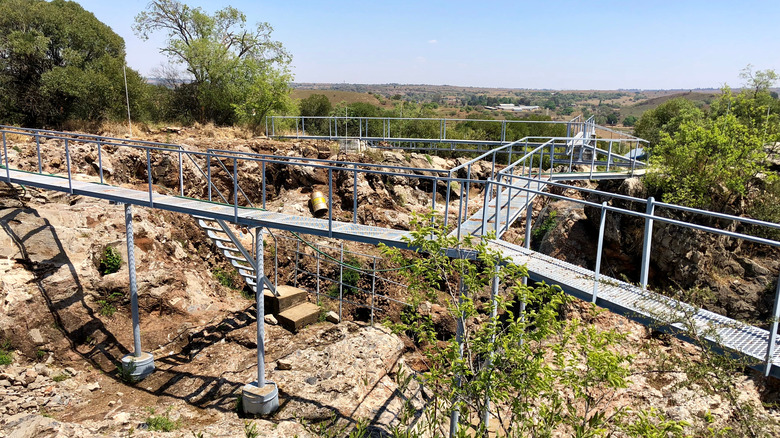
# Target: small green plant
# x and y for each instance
(6, 357)
(162, 422)
(547, 224)
(61, 377)
(227, 278)
(40, 354)
(126, 374)
(250, 430)
(107, 307)
(110, 262)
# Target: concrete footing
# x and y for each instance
(260, 401)
(138, 367)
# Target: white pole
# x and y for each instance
(127, 99)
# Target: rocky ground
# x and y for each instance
(67, 325)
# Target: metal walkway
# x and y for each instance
(615, 295)
(505, 194)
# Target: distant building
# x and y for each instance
(512, 107)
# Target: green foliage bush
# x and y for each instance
(161, 422)
(59, 62)
(6, 355)
(110, 261)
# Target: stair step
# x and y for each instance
(215, 237)
(288, 297)
(221, 245)
(299, 316)
(206, 226)
(230, 256)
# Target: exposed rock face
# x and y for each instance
(740, 277)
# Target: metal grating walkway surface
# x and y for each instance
(512, 203)
(644, 306)
(617, 296)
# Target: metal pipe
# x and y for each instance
(260, 305)
(773, 331)
(318, 276)
(149, 176)
(493, 316)
(373, 291)
(297, 253)
(235, 190)
(208, 177)
(330, 201)
(133, 284)
(598, 253)
(40, 165)
(529, 211)
(354, 196)
(100, 160)
(263, 182)
(67, 162)
(455, 414)
(647, 242)
(341, 280)
(181, 173)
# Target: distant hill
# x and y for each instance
(703, 98)
(335, 96)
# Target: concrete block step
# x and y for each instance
(299, 316)
(288, 297)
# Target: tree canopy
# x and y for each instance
(57, 61)
(711, 159)
(238, 73)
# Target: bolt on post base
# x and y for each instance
(138, 367)
(260, 401)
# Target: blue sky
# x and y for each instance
(519, 44)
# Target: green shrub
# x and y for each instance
(228, 278)
(547, 224)
(162, 422)
(110, 262)
(6, 357)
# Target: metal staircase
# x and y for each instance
(223, 237)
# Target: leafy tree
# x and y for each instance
(520, 361)
(710, 162)
(667, 117)
(630, 121)
(316, 105)
(613, 118)
(57, 61)
(237, 73)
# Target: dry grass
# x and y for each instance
(335, 97)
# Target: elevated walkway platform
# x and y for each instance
(646, 307)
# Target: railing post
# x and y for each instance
(235, 189)
(598, 252)
(529, 214)
(330, 202)
(149, 175)
(373, 291)
(433, 194)
(262, 175)
(208, 170)
(297, 255)
(341, 280)
(100, 160)
(498, 204)
(609, 156)
(133, 285)
(647, 243)
(354, 196)
(773, 331)
(181, 173)
(493, 315)
(67, 162)
(260, 304)
(485, 208)
(447, 200)
(5, 159)
(40, 165)
(318, 276)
